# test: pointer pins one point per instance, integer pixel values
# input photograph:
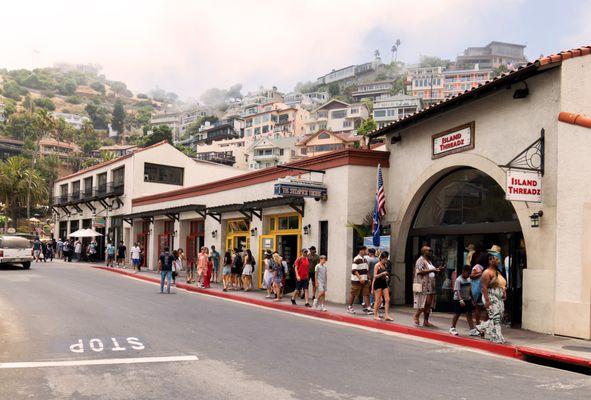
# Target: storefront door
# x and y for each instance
(195, 241)
(237, 235)
(463, 216)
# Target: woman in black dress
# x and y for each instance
(380, 287)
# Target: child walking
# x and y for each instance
(227, 271)
(320, 273)
(462, 301)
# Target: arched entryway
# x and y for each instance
(466, 210)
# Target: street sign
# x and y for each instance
(300, 188)
(524, 186)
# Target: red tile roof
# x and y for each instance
(540, 64)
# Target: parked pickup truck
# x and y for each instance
(16, 250)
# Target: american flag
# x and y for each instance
(379, 208)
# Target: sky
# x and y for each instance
(188, 46)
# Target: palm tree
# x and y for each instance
(19, 185)
(45, 125)
(394, 50)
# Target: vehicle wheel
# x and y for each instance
(27, 265)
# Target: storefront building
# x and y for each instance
(100, 196)
(330, 192)
(503, 164)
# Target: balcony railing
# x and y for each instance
(265, 157)
(109, 189)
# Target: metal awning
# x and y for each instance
(256, 207)
(216, 212)
(172, 213)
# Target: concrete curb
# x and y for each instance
(505, 350)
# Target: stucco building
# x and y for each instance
(502, 164)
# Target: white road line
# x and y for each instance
(105, 361)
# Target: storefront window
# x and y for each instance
(289, 222)
(467, 196)
(239, 225)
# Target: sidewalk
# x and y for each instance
(520, 343)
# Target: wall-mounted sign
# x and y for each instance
(98, 222)
(524, 186)
(460, 138)
(384, 243)
(300, 188)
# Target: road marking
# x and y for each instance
(105, 361)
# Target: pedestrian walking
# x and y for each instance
(278, 274)
(381, 288)
(302, 273)
(320, 281)
(165, 269)
(182, 260)
(208, 271)
(248, 270)
(227, 272)
(215, 257)
(135, 257)
(360, 287)
(268, 274)
(60, 249)
(67, 252)
(372, 260)
(176, 266)
(37, 248)
(237, 265)
(201, 266)
(494, 293)
(92, 250)
(50, 250)
(78, 250)
(476, 287)
(110, 253)
(314, 260)
(463, 303)
(121, 254)
(424, 286)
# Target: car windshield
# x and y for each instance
(14, 242)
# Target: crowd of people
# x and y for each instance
(478, 293)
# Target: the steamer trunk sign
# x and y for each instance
(299, 190)
(454, 140)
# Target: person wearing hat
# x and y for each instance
(302, 273)
(314, 260)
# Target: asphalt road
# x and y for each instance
(74, 313)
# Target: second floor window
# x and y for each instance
(158, 173)
(338, 114)
(102, 180)
(118, 176)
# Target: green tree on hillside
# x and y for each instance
(13, 91)
(159, 133)
(98, 114)
(45, 103)
(118, 119)
(367, 126)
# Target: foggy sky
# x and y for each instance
(189, 46)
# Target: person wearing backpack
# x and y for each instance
(247, 272)
(165, 269)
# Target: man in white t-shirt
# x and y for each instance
(136, 252)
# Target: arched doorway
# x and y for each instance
(463, 211)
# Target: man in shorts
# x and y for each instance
(215, 258)
(136, 257)
(359, 281)
(302, 272)
(121, 254)
(314, 260)
(110, 252)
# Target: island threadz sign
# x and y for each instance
(524, 186)
(300, 188)
(460, 138)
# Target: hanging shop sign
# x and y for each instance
(384, 243)
(455, 140)
(524, 185)
(300, 188)
(98, 222)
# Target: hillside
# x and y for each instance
(76, 89)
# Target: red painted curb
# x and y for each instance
(504, 350)
(558, 357)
